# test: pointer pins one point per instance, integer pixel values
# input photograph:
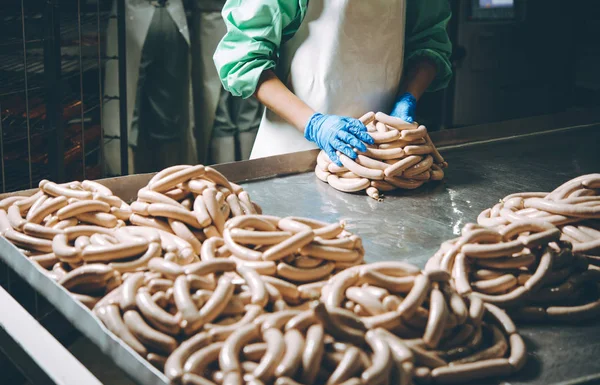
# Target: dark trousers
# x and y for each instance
(161, 116)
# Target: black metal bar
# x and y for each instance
(121, 36)
(52, 72)
(81, 88)
(2, 152)
(26, 94)
(100, 103)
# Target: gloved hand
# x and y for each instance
(405, 107)
(337, 133)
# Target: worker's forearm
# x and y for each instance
(278, 98)
(418, 77)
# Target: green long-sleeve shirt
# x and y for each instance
(257, 28)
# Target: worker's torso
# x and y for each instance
(346, 59)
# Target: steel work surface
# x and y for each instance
(407, 226)
(410, 225)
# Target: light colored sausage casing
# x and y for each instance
(111, 318)
(313, 353)
(348, 185)
(81, 207)
(55, 190)
(229, 355)
(172, 180)
(93, 272)
(381, 362)
(373, 174)
(150, 337)
(256, 285)
(214, 306)
(174, 212)
(304, 275)
(259, 237)
(289, 245)
(400, 166)
(95, 253)
(176, 361)
(275, 350)
(155, 315)
(200, 359)
(240, 251)
(212, 205)
(129, 290)
(51, 205)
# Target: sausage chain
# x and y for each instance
(154, 311)
(403, 156)
(420, 315)
(292, 347)
(298, 250)
(574, 207)
(42, 224)
(192, 202)
(523, 267)
(122, 250)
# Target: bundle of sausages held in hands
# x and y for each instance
(208, 289)
(403, 157)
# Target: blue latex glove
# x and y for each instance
(405, 107)
(337, 133)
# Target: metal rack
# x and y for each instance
(51, 71)
(52, 60)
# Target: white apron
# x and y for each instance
(346, 59)
(138, 18)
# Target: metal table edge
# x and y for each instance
(82, 318)
(304, 161)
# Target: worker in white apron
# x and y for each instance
(318, 65)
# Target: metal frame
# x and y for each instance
(38, 355)
(47, 72)
(124, 133)
(52, 72)
(46, 57)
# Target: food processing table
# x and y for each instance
(407, 225)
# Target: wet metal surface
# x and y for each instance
(408, 226)
(411, 225)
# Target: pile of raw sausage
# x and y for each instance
(192, 202)
(193, 277)
(523, 267)
(299, 250)
(68, 230)
(403, 156)
(574, 207)
(450, 338)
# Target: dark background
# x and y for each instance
(534, 58)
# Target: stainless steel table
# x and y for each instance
(408, 226)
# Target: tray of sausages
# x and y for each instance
(190, 283)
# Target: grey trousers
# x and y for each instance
(161, 116)
(226, 126)
(235, 128)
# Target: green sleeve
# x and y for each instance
(255, 31)
(426, 36)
